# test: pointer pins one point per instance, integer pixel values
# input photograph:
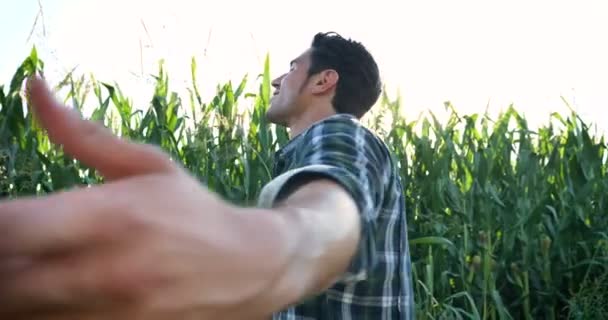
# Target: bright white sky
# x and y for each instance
(471, 53)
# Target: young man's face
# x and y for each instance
(290, 96)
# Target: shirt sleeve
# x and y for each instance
(343, 150)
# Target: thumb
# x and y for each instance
(90, 142)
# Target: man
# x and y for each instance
(327, 241)
(328, 88)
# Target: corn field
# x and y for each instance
(505, 222)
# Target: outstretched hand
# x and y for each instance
(151, 243)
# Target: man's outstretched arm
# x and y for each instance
(323, 224)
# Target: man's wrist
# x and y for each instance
(305, 262)
(280, 239)
(311, 242)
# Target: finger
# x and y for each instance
(62, 284)
(69, 315)
(48, 313)
(62, 221)
(9, 265)
(90, 142)
(42, 288)
(111, 314)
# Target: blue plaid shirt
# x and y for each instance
(378, 283)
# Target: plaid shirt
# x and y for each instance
(378, 283)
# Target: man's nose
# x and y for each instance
(276, 83)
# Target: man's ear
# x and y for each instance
(325, 81)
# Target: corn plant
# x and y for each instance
(505, 221)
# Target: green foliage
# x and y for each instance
(505, 222)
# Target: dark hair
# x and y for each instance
(359, 85)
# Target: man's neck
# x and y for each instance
(304, 122)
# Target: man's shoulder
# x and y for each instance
(343, 129)
(343, 126)
(339, 121)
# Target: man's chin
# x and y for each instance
(275, 119)
(271, 115)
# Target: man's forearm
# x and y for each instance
(319, 236)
